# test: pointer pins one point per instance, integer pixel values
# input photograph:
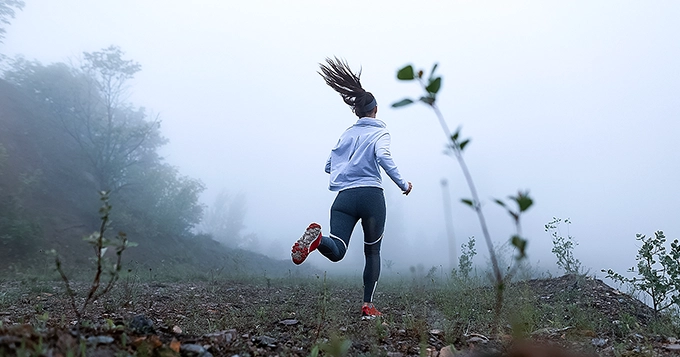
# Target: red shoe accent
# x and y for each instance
(309, 241)
(369, 312)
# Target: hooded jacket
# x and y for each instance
(356, 159)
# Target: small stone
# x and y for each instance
(476, 339)
(599, 342)
(264, 341)
(289, 322)
(436, 332)
(142, 325)
(224, 336)
(97, 340)
(176, 330)
(447, 351)
(395, 354)
(672, 347)
(192, 350)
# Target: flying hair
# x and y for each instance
(339, 76)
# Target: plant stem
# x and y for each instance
(475, 197)
(478, 209)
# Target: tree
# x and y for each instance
(89, 104)
(112, 144)
(7, 12)
(163, 204)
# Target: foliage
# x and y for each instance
(102, 265)
(19, 232)
(88, 138)
(166, 204)
(7, 12)
(658, 271)
(467, 253)
(87, 103)
(563, 247)
(456, 144)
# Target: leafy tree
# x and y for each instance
(88, 103)
(18, 231)
(7, 12)
(110, 145)
(163, 203)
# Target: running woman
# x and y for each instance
(354, 168)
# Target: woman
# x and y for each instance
(354, 171)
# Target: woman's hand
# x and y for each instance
(408, 190)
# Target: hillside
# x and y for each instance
(564, 316)
(49, 200)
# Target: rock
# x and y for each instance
(97, 340)
(395, 354)
(224, 336)
(192, 350)
(599, 342)
(289, 322)
(447, 351)
(264, 341)
(142, 325)
(176, 330)
(672, 347)
(476, 339)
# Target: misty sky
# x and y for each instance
(576, 101)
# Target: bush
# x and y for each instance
(658, 270)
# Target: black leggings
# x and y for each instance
(351, 205)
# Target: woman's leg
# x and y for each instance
(343, 220)
(373, 213)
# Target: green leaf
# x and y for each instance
(432, 72)
(455, 135)
(521, 245)
(406, 73)
(463, 144)
(523, 201)
(402, 103)
(434, 85)
(467, 202)
(428, 100)
(499, 202)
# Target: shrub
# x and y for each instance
(563, 247)
(658, 271)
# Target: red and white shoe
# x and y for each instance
(309, 241)
(369, 312)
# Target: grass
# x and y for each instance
(327, 306)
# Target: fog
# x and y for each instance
(575, 101)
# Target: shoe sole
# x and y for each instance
(306, 244)
(367, 318)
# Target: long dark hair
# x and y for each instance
(339, 76)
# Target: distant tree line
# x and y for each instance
(69, 133)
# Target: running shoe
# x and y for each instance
(309, 241)
(369, 312)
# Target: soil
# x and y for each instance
(298, 317)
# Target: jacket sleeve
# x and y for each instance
(328, 164)
(382, 153)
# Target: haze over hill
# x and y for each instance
(575, 101)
